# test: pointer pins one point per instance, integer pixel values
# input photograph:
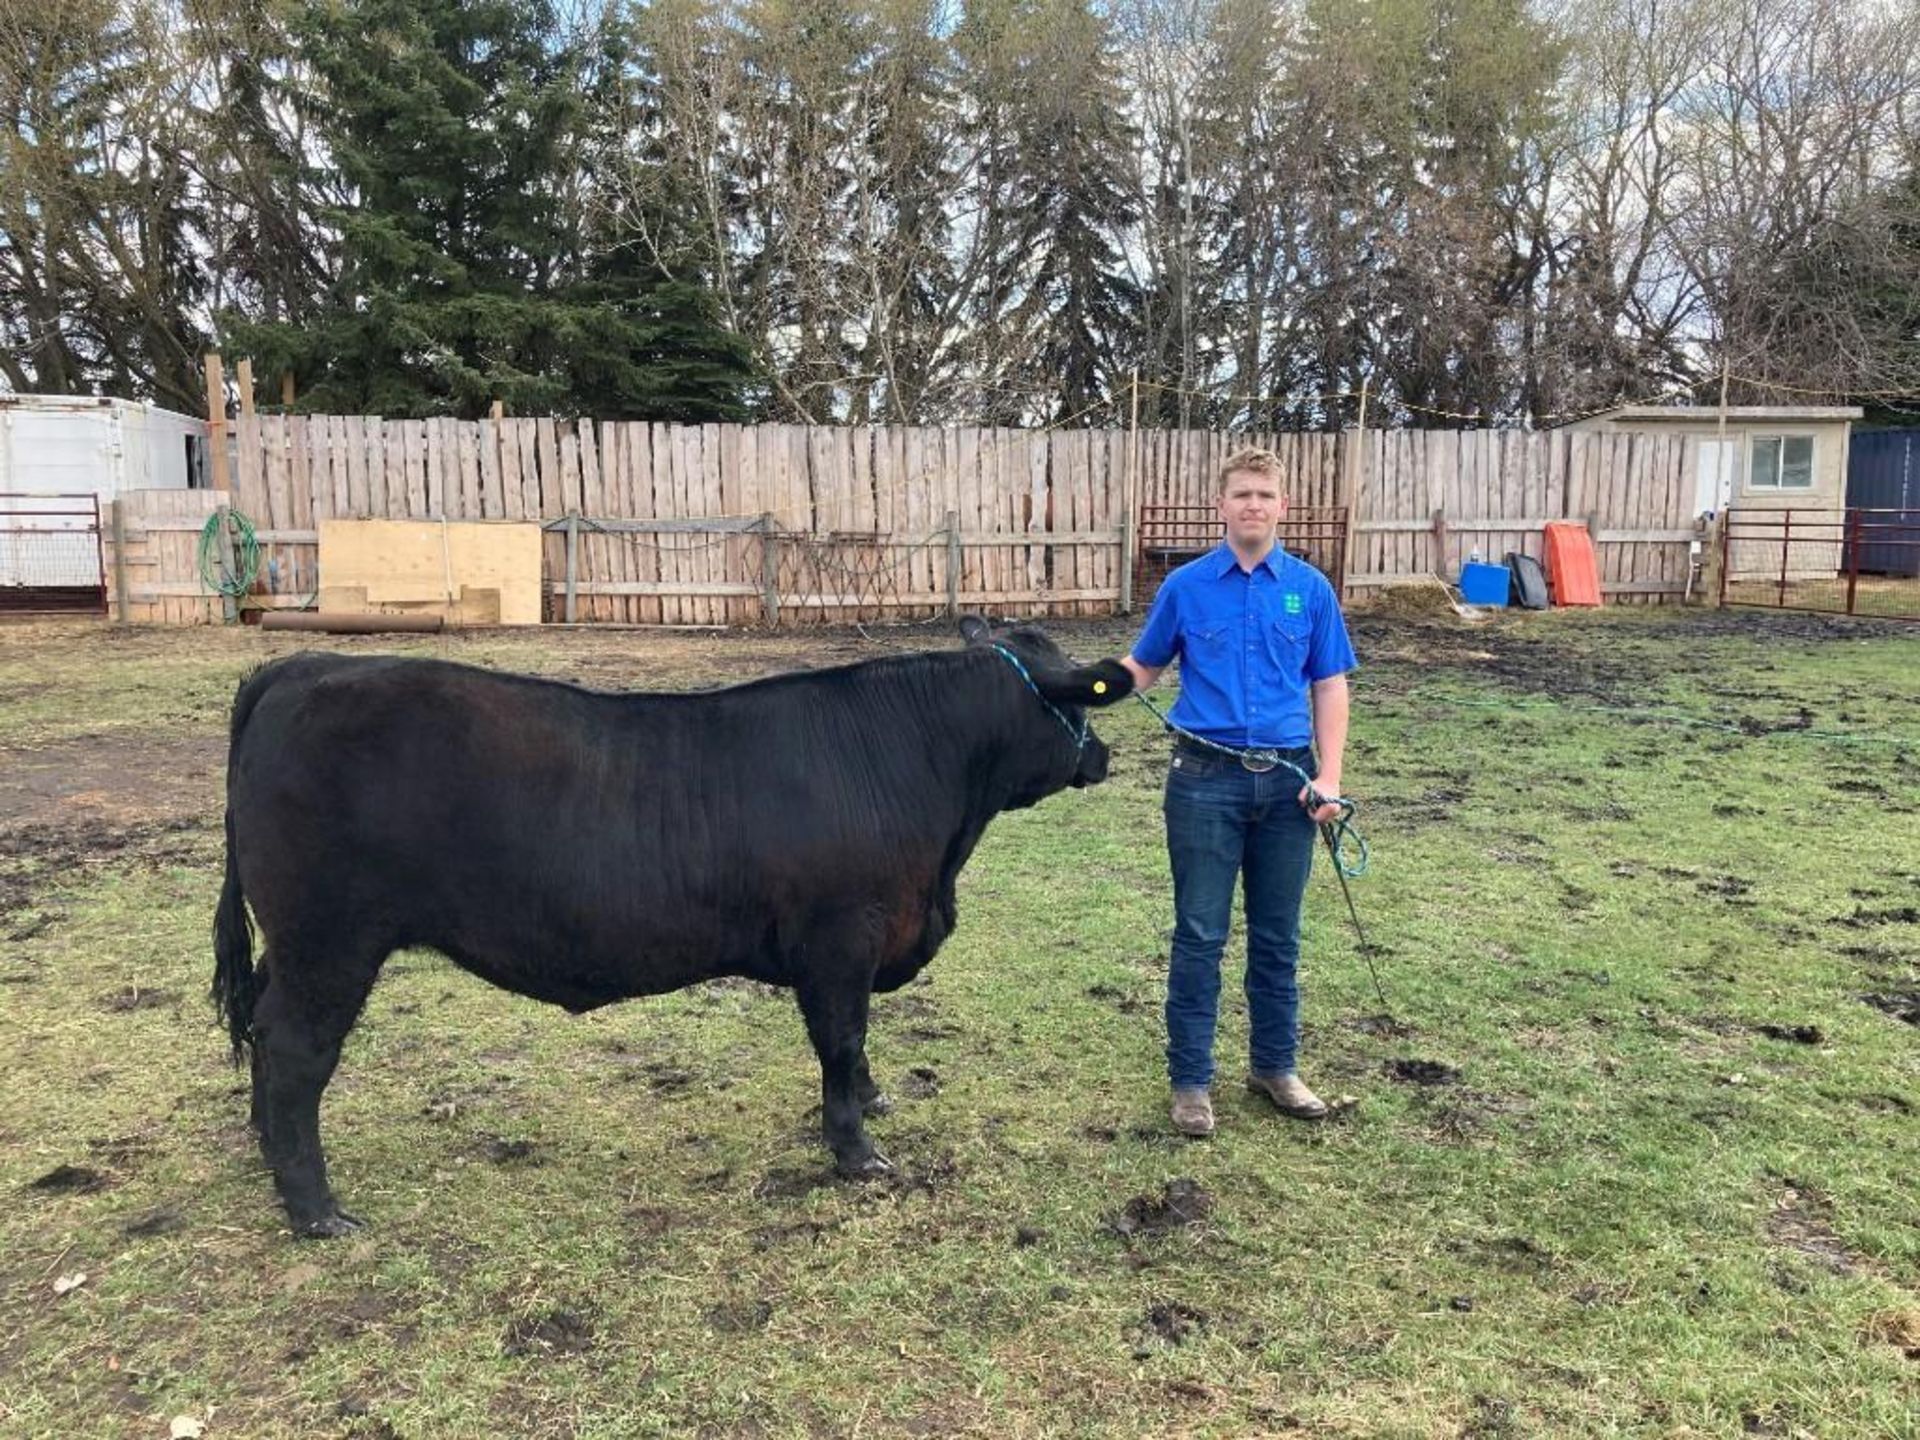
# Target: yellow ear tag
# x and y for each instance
(1099, 687)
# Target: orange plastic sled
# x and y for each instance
(1571, 568)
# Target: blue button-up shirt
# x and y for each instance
(1250, 646)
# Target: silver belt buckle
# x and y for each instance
(1259, 761)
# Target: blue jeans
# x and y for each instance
(1225, 822)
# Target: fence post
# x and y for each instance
(1130, 497)
(229, 567)
(1853, 556)
(1354, 475)
(1722, 546)
(216, 420)
(769, 571)
(953, 564)
(1786, 548)
(120, 560)
(573, 548)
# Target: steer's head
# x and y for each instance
(1057, 744)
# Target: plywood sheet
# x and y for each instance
(448, 568)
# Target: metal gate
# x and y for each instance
(1856, 561)
(1171, 535)
(52, 558)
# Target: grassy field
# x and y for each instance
(1631, 1148)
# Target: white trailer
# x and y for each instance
(63, 460)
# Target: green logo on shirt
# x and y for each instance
(1293, 603)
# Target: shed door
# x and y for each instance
(1715, 463)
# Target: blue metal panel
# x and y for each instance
(1883, 473)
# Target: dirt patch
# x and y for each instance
(120, 1002)
(1422, 1072)
(793, 1184)
(69, 1180)
(163, 1221)
(1898, 1328)
(501, 1150)
(1900, 1004)
(922, 1082)
(1111, 994)
(1862, 917)
(1382, 1025)
(1173, 1321)
(40, 857)
(772, 1237)
(551, 1333)
(1181, 1203)
(740, 1317)
(1795, 1034)
(1800, 1222)
(117, 780)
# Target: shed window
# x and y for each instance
(1781, 462)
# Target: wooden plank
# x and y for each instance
(965, 507)
(506, 446)
(393, 449)
(594, 549)
(353, 449)
(1090, 572)
(739, 552)
(660, 474)
(373, 447)
(713, 552)
(526, 441)
(646, 554)
(413, 444)
(469, 452)
(273, 442)
(1040, 472)
(610, 446)
(493, 503)
(676, 563)
(553, 503)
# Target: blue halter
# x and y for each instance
(1077, 734)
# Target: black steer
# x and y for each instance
(583, 847)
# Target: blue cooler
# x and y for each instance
(1484, 584)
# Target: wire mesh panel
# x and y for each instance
(1851, 562)
(1171, 535)
(50, 555)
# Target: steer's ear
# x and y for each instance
(974, 630)
(1101, 683)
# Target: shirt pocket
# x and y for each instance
(1289, 638)
(1206, 640)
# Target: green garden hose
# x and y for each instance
(216, 574)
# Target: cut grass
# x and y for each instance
(1600, 868)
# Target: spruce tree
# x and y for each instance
(451, 131)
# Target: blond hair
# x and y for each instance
(1253, 460)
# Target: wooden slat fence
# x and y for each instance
(676, 522)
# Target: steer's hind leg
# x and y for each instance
(836, 1013)
(873, 1100)
(299, 1025)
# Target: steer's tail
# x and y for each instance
(236, 985)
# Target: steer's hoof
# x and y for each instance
(880, 1103)
(329, 1227)
(873, 1167)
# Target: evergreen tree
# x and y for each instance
(451, 129)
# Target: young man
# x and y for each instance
(1264, 657)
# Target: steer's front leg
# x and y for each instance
(836, 1013)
